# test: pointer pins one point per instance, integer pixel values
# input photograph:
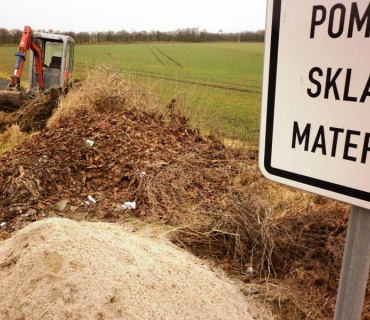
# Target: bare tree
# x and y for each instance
(180, 35)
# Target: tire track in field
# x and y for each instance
(197, 80)
(160, 61)
(197, 83)
(168, 57)
(209, 81)
(150, 75)
(220, 83)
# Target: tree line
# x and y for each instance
(9, 37)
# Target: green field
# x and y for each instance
(220, 83)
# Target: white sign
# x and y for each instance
(315, 119)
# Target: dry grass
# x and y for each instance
(292, 239)
(251, 220)
(11, 138)
(105, 90)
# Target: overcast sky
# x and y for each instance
(137, 15)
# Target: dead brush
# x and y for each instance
(290, 301)
(243, 223)
(105, 90)
(212, 216)
(34, 115)
(289, 237)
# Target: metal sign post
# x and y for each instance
(355, 266)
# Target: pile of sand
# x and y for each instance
(60, 269)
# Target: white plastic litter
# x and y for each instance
(142, 174)
(91, 199)
(3, 224)
(129, 205)
(90, 142)
(250, 270)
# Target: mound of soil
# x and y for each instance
(60, 269)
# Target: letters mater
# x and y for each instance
(324, 84)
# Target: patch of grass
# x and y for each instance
(233, 65)
(7, 63)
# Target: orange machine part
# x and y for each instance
(25, 44)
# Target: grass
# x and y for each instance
(220, 83)
(7, 63)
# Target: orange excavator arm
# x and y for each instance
(25, 44)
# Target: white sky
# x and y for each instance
(137, 15)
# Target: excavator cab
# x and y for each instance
(51, 64)
(57, 60)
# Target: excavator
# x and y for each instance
(51, 65)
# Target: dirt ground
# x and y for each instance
(61, 269)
